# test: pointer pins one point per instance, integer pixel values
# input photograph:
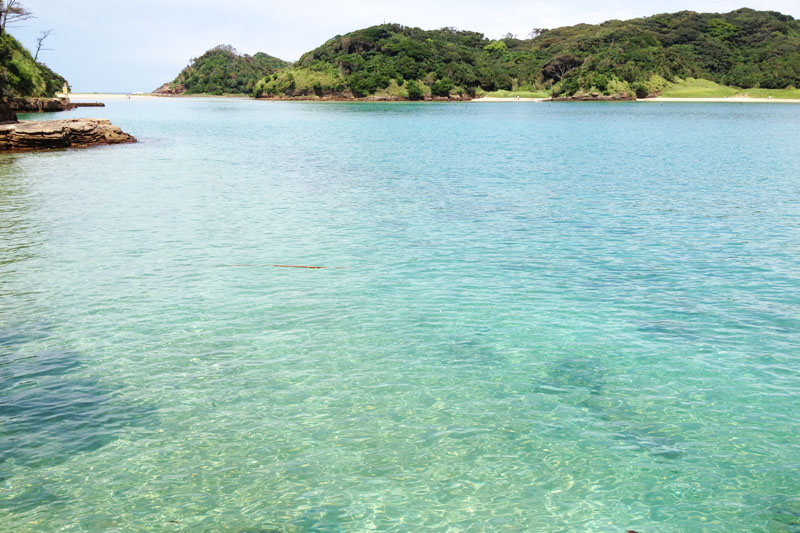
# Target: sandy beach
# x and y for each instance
(730, 100)
(104, 96)
(94, 97)
(512, 99)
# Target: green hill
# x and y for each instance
(744, 48)
(20, 75)
(394, 60)
(222, 70)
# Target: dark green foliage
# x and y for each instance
(441, 59)
(442, 87)
(20, 75)
(222, 70)
(745, 48)
(415, 92)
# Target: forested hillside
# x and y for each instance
(222, 70)
(744, 48)
(20, 75)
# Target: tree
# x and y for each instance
(40, 42)
(442, 87)
(496, 46)
(414, 91)
(560, 67)
(535, 32)
(13, 11)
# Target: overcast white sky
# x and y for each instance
(136, 45)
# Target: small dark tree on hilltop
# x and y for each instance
(535, 32)
(225, 48)
(40, 43)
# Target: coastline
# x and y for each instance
(485, 99)
(659, 99)
(509, 99)
(728, 100)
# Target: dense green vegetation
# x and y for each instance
(744, 48)
(20, 75)
(222, 70)
(377, 59)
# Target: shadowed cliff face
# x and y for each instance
(6, 113)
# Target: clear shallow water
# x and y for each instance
(549, 318)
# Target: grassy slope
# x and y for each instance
(698, 88)
(514, 94)
(21, 75)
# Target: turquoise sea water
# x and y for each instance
(548, 317)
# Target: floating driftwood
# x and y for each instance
(291, 266)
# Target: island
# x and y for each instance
(684, 54)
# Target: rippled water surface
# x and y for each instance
(547, 317)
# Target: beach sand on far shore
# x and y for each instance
(731, 100)
(132, 96)
(509, 99)
(104, 96)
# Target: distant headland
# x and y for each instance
(685, 54)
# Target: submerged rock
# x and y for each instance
(76, 132)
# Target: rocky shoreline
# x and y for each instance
(38, 105)
(596, 97)
(69, 133)
(46, 105)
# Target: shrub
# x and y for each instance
(415, 92)
(497, 47)
(442, 87)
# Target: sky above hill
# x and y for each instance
(129, 46)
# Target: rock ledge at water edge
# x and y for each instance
(75, 132)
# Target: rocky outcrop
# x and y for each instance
(170, 89)
(6, 113)
(47, 105)
(39, 105)
(596, 97)
(76, 132)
